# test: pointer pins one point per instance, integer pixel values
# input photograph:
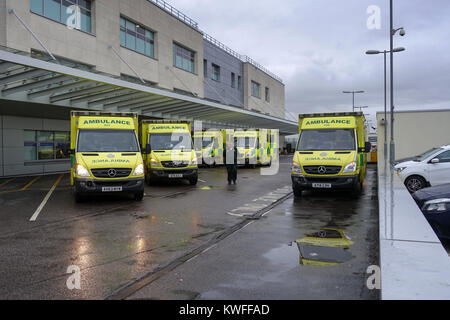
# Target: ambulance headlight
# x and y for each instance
(154, 162)
(351, 167)
(296, 168)
(139, 170)
(194, 162)
(82, 171)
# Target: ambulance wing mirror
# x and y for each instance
(366, 148)
(147, 149)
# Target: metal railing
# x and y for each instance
(175, 12)
(243, 58)
(261, 67)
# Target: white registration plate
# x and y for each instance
(176, 175)
(111, 189)
(322, 185)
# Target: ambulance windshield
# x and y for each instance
(107, 141)
(326, 140)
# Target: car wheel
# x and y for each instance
(297, 192)
(139, 196)
(415, 183)
(193, 181)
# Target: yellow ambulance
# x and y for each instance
(168, 151)
(105, 154)
(331, 152)
(254, 146)
(209, 145)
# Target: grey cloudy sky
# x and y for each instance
(318, 48)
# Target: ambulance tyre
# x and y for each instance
(193, 181)
(78, 197)
(297, 192)
(139, 196)
(357, 189)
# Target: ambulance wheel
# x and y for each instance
(139, 196)
(78, 197)
(297, 192)
(253, 166)
(193, 181)
(357, 189)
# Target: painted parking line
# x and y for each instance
(41, 206)
(6, 182)
(30, 183)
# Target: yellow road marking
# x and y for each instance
(30, 183)
(41, 206)
(4, 183)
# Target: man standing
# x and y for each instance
(230, 155)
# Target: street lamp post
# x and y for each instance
(385, 94)
(353, 96)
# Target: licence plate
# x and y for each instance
(322, 185)
(111, 189)
(176, 175)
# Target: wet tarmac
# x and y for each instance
(315, 247)
(116, 240)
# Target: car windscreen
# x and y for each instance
(207, 142)
(107, 141)
(326, 139)
(170, 141)
(246, 142)
(427, 154)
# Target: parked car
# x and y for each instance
(435, 205)
(431, 168)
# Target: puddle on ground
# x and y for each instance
(328, 246)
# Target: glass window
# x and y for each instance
(239, 83)
(255, 89)
(267, 95)
(233, 80)
(444, 157)
(62, 145)
(107, 141)
(136, 38)
(215, 72)
(30, 145)
(58, 10)
(37, 6)
(170, 141)
(45, 145)
(326, 139)
(52, 9)
(183, 58)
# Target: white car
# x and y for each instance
(431, 168)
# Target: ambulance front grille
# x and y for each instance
(175, 164)
(328, 169)
(111, 172)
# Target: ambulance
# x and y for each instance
(254, 146)
(331, 152)
(105, 154)
(209, 145)
(168, 151)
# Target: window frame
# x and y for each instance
(267, 94)
(54, 143)
(215, 68)
(184, 57)
(148, 35)
(255, 84)
(43, 14)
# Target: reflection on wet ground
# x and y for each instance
(328, 246)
